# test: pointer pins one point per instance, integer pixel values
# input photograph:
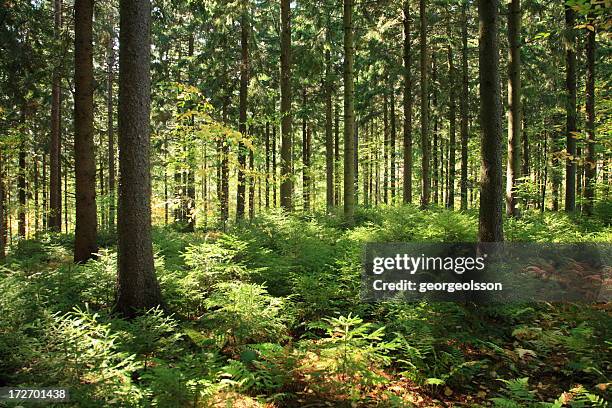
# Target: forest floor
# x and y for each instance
(268, 314)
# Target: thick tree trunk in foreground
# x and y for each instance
(55, 176)
(425, 180)
(286, 187)
(490, 218)
(570, 109)
(513, 170)
(349, 114)
(407, 105)
(138, 288)
(85, 245)
(590, 163)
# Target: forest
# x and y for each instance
(187, 188)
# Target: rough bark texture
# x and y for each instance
(490, 218)
(570, 109)
(55, 176)
(452, 113)
(85, 245)
(407, 105)
(425, 179)
(286, 187)
(513, 169)
(138, 288)
(590, 164)
(463, 106)
(349, 114)
(242, 125)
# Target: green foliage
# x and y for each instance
(246, 313)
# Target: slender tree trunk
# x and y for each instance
(337, 179)
(55, 187)
(21, 179)
(570, 109)
(513, 169)
(85, 244)
(525, 155)
(329, 137)
(392, 141)
(385, 149)
(36, 193)
(590, 164)
(111, 132)
(3, 233)
(242, 125)
(45, 212)
(286, 187)
(267, 165)
(137, 286)
(305, 160)
(425, 182)
(251, 185)
(491, 196)
(407, 105)
(463, 106)
(434, 105)
(225, 164)
(274, 185)
(349, 114)
(452, 112)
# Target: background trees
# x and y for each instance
(216, 153)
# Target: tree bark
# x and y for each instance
(425, 180)
(21, 179)
(513, 169)
(570, 109)
(267, 165)
(55, 176)
(85, 244)
(138, 288)
(111, 131)
(349, 114)
(590, 163)
(452, 112)
(392, 141)
(490, 215)
(463, 106)
(286, 187)
(407, 105)
(329, 137)
(242, 125)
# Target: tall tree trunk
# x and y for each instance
(251, 179)
(570, 109)
(407, 105)
(45, 202)
(337, 178)
(85, 245)
(329, 137)
(491, 196)
(434, 105)
(590, 164)
(190, 202)
(55, 176)
(305, 159)
(385, 148)
(525, 155)
(349, 113)
(111, 130)
(242, 125)
(452, 112)
(137, 286)
(274, 186)
(21, 179)
(3, 233)
(463, 106)
(267, 165)
(513, 169)
(425, 182)
(286, 187)
(392, 141)
(225, 164)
